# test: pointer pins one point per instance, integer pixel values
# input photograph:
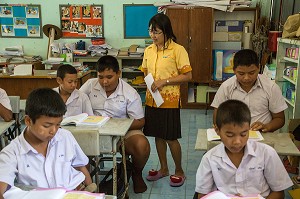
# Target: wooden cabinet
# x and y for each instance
(193, 29)
(287, 76)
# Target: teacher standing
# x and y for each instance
(169, 64)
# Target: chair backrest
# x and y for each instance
(15, 103)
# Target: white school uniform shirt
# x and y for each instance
(124, 102)
(21, 161)
(77, 103)
(259, 172)
(4, 100)
(264, 96)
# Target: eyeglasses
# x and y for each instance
(156, 33)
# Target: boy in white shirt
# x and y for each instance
(239, 166)
(44, 155)
(76, 101)
(5, 107)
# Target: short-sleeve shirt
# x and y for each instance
(4, 100)
(21, 161)
(260, 171)
(263, 98)
(124, 102)
(164, 64)
(77, 103)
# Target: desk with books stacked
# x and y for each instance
(95, 141)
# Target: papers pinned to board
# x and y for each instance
(212, 135)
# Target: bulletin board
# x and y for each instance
(81, 21)
(22, 20)
(136, 19)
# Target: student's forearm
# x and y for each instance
(275, 124)
(3, 188)
(276, 195)
(137, 124)
(88, 179)
(5, 113)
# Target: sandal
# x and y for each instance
(177, 181)
(155, 175)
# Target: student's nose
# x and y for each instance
(247, 77)
(53, 130)
(237, 141)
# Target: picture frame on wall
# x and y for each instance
(20, 21)
(81, 21)
(135, 26)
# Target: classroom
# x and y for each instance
(144, 85)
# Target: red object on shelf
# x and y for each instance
(272, 40)
(98, 41)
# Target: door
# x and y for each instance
(200, 44)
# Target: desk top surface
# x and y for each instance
(5, 125)
(113, 127)
(283, 144)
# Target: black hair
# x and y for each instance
(65, 69)
(162, 22)
(245, 57)
(232, 111)
(44, 101)
(108, 62)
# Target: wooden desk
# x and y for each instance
(23, 85)
(282, 142)
(90, 140)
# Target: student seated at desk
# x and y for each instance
(76, 101)
(5, 107)
(239, 166)
(44, 155)
(262, 95)
(111, 96)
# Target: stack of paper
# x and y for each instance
(220, 195)
(58, 193)
(212, 135)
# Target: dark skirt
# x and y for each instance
(162, 123)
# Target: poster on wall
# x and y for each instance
(136, 26)
(20, 20)
(81, 21)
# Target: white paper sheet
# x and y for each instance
(156, 95)
(23, 69)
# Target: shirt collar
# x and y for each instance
(119, 88)
(221, 153)
(26, 147)
(168, 45)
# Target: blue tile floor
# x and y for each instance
(191, 121)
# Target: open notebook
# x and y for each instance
(220, 195)
(212, 135)
(84, 119)
(58, 193)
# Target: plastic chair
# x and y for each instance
(16, 129)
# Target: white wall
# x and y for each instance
(113, 23)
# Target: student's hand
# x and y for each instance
(259, 126)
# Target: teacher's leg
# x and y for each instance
(139, 148)
(175, 149)
(161, 148)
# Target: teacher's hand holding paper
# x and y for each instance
(153, 88)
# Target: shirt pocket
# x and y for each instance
(255, 176)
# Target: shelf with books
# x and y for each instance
(287, 76)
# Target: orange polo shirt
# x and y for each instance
(164, 64)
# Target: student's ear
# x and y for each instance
(59, 80)
(217, 129)
(119, 73)
(27, 120)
